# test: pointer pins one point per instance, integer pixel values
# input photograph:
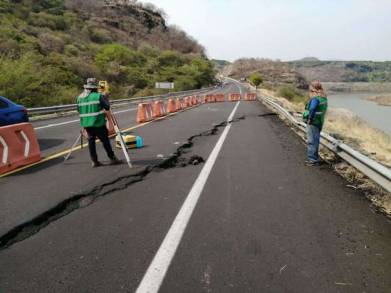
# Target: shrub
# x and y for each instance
(50, 43)
(170, 58)
(255, 79)
(99, 36)
(290, 93)
(118, 55)
(71, 50)
(54, 22)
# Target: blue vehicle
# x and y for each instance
(11, 113)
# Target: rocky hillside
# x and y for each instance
(338, 75)
(49, 47)
(274, 73)
(343, 71)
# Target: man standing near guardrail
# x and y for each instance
(314, 116)
(91, 105)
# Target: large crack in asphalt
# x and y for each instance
(85, 199)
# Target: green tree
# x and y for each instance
(256, 79)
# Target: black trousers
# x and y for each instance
(103, 135)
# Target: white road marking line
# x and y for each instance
(123, 111)
(57, 124)
(77, 120)
(157, 270)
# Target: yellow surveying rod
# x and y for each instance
(104, 89)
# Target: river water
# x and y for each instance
(377, 116)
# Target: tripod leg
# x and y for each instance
(73, 146)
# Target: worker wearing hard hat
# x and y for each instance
(91, 105)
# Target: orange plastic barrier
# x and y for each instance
(210, 99)
(188, 102)
(144, 112)
(184, 104)
(219, 98)
(250, 97)
(171, 106)
(194, 100)
(159, 109)
(234, 97)
(178, 104)
(18, 147)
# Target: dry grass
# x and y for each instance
(382, 100)
(291, 106)
(360, 135)
(379, 198)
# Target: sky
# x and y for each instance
(286, 29)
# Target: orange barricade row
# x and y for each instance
(171, 106)
(159, 109)
(251, 97)
(144, 112)
(18, 147)
(234, 97)
(219, 97)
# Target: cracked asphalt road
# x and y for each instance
(264, 221)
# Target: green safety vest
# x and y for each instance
(320, 114)
(90, 111)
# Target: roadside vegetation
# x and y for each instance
(382, 100)
(349, 128)
(49, 47)
(255, 79)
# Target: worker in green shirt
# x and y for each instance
(91, 105)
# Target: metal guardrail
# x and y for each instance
(73, 107)
(374, 170)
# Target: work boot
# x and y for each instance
(115, 161)
(96, 164)
(312, 163)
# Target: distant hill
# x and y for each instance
(220, 64)
(309, 59)
(300, 73)
(344, 71)
(274, 73)
(49, 47)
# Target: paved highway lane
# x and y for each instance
(44, 186)
(263, 222)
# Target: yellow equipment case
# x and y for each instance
(131, 141)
